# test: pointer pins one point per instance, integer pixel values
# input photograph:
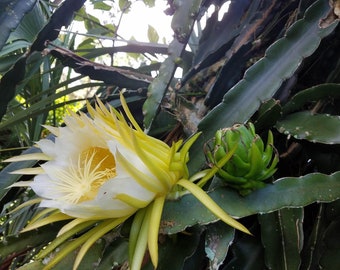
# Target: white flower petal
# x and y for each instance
(131, 157)
(126, 186)
(47, 147)
(45, 187)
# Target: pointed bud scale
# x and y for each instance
(252, 163)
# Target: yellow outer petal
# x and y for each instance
(33, 156)
(142, 241)
(155, 220)
(134, 202)
(95, 234)
(21, 184)
(29, 171)
(61, 239)
(28, 203)
(44, 221)
(211, 205)
(134, 231)
(69, 226)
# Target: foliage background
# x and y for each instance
(275, 63)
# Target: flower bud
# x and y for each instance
(251, 164)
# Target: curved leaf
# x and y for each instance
(298, 192)
(315, 93)
(61, 17)
(321, 128)
(218, 239)
(9, 82)
(247, 255)
(11, 13)
(267, 115)
(110, 75)
(264, 78)
(330, 258)
(282, 238)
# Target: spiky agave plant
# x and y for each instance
(251, 164)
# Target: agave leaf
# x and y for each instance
(298, 192)
(282, 238)
(321, 128)
(264, 78)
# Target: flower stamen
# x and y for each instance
(81, 182)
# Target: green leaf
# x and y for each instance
(247, 254)
(124, 5)
(90, 260)
(330, 258)
(176, 250)
(25, 241)
(315, 93)
(152, 34)
(288, 192)
(313, 246)
(30, 25)
(267, 115)
(44, 105)
(264, 78)
(102, 6)
(321, 128)
(149, 3)
(182, 21)
(282, 238)
(61, 17)
(115, 254)
(14, 46)
(11, 13)
(218, 239)
(32, 266)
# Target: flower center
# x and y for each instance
(98, 165)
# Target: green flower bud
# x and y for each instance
(251, 164)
